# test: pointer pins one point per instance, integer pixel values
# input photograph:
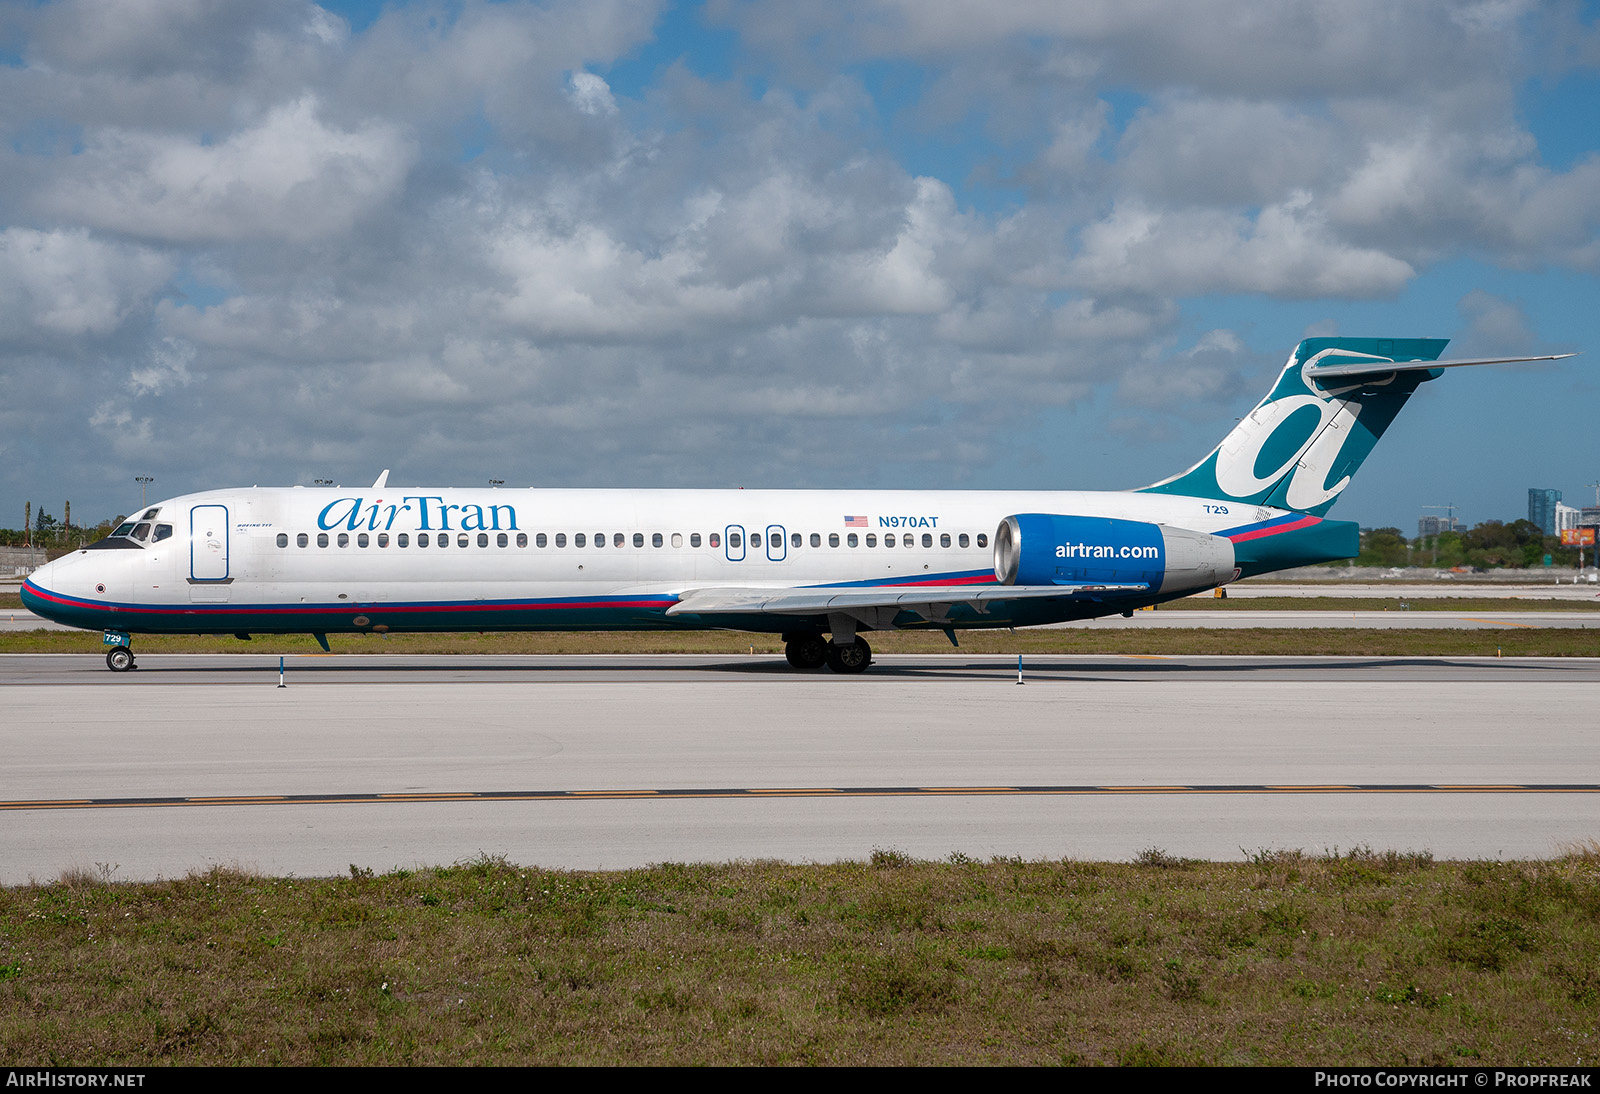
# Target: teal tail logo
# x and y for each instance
(1298, 449)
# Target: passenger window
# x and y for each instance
(322, 539)
(344, 539)
(422, 539)
(463, 539)
(888, 539)
(733, 540)
(580, 540)
(502, 540)
(656, 540)
(483, 539)
(872, 539)
(677, 539)
(561, 539)
(522, 539)
(694, 539)
(362, 540)
(963, 541)
(403, 540)
(944, 539)
(715, 539)
(927, 539)
(383, 539)
(638, 539)
(442, 539)
(816, 540)
(911, 540)
(833, 539)
(283, 539)
(983, 539)
(540, 540)
(794, 540)
(302, 539)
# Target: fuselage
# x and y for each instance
(298, 560)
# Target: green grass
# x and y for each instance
(1529, 603)
(1205, 602)
(1287, 958)
(1244, 641)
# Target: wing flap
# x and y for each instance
(738, 601)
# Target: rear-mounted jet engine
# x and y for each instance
(1050, 549)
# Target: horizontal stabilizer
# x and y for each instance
(1382, 367)
(824, 600)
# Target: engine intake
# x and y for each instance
(1054, 549)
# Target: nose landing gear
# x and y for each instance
(119, 658)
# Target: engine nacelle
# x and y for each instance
(1050, 549)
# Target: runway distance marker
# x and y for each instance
(757, 793)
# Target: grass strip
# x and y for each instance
(1532, 602)
(1243, 641)
(1286, 958)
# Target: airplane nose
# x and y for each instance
(42, 578)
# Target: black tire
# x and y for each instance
(809, 651)
(851, 659)
(119, 659)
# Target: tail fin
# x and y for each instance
(1298, 449)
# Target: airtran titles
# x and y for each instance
(416, 512)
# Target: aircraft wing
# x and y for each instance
(927, 600)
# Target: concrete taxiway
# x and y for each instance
(622, 761)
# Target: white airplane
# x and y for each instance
(800, 563)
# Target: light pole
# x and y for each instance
(143, 481)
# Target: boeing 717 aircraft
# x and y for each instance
(819, 567)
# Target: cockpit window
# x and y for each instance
(150, 514)
(142, 531)
(163, 531)
(124, 529)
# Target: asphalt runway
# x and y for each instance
(590, 762)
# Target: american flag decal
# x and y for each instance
(855, 522)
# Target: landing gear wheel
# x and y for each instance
(119, 659)
(849, 659)
(808, 651)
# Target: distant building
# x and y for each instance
(1542, 509)
(1566, 517)
(1432, 526)
(1589, 514)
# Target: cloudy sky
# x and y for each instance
(893, 243)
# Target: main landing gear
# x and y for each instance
(849, 659)
(812, 651)
(805, 651)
